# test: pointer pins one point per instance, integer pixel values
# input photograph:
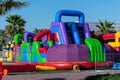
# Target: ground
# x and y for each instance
(69, 75)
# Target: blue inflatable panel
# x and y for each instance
(25, 57)
(116, 66)
(43, 55)
(35, 59)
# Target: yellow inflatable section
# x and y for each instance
(38, 67)
(8, 54)
(10, 57)
(117, 42)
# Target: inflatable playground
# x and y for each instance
(66, 45)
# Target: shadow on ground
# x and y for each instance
(55, 79)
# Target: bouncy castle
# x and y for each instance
(64, 42)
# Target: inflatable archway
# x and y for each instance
(27, 35)
(43, 33)
(78, 14)
(17, 37)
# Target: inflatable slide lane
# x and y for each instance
(69, 32)
(96, 52)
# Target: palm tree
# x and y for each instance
(3, 38)
(36, 30)
(17, 22)
(16, 25)
(7, 5)
(105, 27)
(10, 30)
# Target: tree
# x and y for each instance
(16, 25)
(36, 30)
(105, 27)
(3, 38)
(5, 6)
(8, 5)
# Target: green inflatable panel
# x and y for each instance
(16, 38)
(91, 48)
(36, 57)
(50, 43)
(35, 51)
(19, 56)
(102, 55)
(96, 51)
(26, 50)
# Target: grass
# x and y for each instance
(104, 77)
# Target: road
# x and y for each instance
(80, 75)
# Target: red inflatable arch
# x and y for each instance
(43, 33)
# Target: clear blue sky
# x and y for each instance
(40, 13)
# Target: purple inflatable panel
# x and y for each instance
(27, 34)
(68, 53)
(87, 31)
(117, 57)
(110, 53)
(62, 29)
(30, 47)
(109, 49)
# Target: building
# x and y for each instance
(93, 27)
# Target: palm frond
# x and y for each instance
(105, 27)
(8, 5)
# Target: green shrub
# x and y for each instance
(104, 77)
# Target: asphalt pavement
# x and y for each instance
(71, 75)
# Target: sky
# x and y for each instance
(40, 13)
